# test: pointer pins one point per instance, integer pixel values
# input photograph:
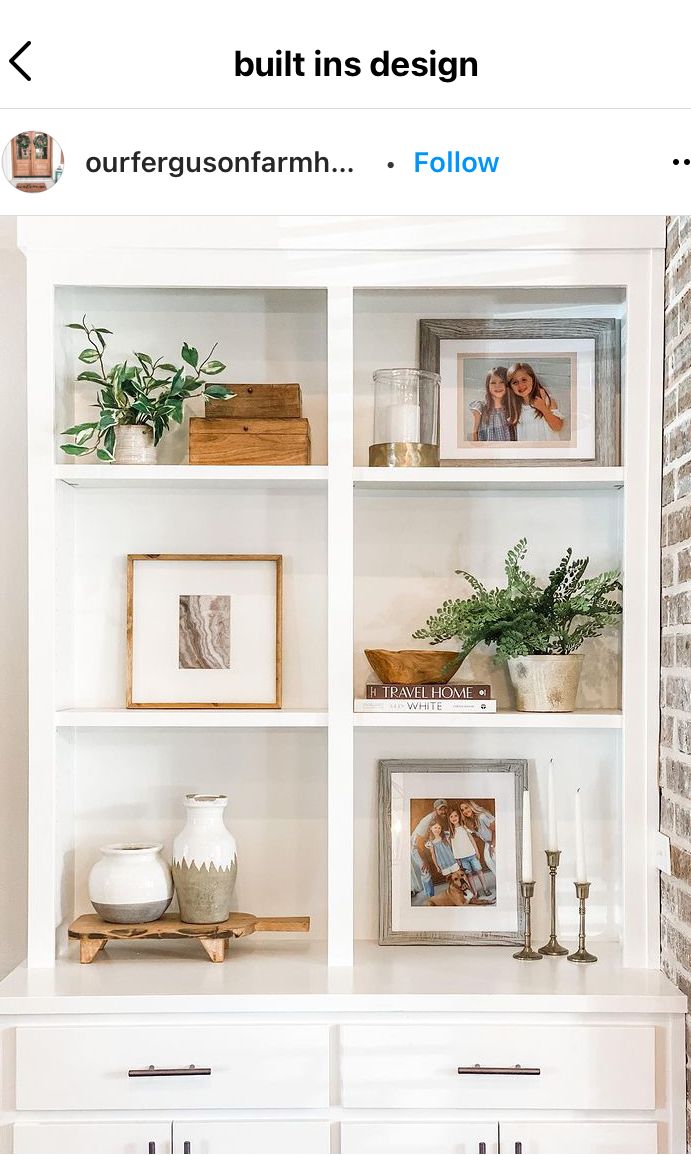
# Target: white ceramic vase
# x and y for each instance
(134, 445)
(205, 861)
(131, 883)
(546, 683)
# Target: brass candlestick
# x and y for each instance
(582, 955)
(527, 952)
(553, 947)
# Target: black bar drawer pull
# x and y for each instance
(187, 1148)
(482, 1148)
(518, 1148)
(480, 1070)
(152, 1149)
(165, 1072)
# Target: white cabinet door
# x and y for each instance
(578, 1138)
(419, 1138)
(92, 1138)
(250, 1138)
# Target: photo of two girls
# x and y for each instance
(515, 404)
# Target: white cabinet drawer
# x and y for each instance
(86, 1068)
(580, 1067)
(429, 1138)
(91, 1138)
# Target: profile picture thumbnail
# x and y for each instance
(33, 161)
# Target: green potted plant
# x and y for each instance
(137, 402)
(538, 630)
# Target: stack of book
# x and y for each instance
(427, 698)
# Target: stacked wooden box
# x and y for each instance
(260, 425)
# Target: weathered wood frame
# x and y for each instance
(604, 331)
(277, 558)
(388, 767)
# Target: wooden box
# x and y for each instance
(245, 441)
(258, 401)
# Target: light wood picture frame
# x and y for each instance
(188, 634)
(603, 332)
(414, 910)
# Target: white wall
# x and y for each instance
(13, 707)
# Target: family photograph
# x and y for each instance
(452, 852)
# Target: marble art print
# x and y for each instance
(204, 632)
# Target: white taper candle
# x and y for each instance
(552, 833)
(527, 873)
(581, 868)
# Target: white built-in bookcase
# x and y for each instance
(368, 554)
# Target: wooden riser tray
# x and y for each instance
(94, 934)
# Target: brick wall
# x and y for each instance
(675, 735)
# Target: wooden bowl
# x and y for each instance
(412, 667)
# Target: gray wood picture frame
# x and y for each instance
(518, 767)
(604, 331)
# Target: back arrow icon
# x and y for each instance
(13, 60)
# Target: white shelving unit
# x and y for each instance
(384, 541)
(369, 554)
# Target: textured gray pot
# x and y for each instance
(546, 683)
(134, 445)
(204, 893)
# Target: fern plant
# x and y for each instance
(524, 618)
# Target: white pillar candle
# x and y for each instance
(552, 834)
(402, 421)
(581, 868)
(527, 873)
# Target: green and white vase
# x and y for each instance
(205, 861)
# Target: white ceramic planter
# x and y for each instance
(134, 445)
(546, 683)
(131, 883)
(205, 861)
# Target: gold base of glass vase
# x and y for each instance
(405, 454)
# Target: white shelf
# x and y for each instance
(568, 477)
(266, 974)
(504, 720)
(191, 719)
(191, 477)
(302, 719)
